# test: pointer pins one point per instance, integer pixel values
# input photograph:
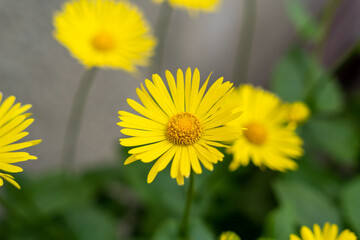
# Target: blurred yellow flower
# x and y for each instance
(194, 5)
(184, 125)
(229, 236)
(105, 33)
(13, 122)
(297, 112)
(267, 141)
(329, 232)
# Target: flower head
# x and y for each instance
(13, 122)
(267, 140)
(184, 125)
(229, 236)
(297, 112)
(329, 232)
(194, 5)
(105, 33)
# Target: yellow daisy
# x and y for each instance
(184, 125)
(194, 5)
(229, 236)
(266, 140)
(13, 122)
(105, 33)
(329, 232)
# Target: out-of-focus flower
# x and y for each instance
(329, 232)
(13, 122)
(184, 125)
(267, 140)
(229, 236)
(297, 112)
(194, 5)
(105, 33)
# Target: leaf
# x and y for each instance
(197, 228)
(350, 202)
(304, 23)
(329, 98)
(337, 137)
(88, 223)
(308, 204)
(280, 223)
(287, 80)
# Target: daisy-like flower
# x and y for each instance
(184, 125)
(105, 33)
(329, 232)
(13, 121)
(194, 5)
(266, 139)
(229, 236)
(297, 112)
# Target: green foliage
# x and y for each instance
(309, 205)
(304, 23)
(337, 137)
(350, 199)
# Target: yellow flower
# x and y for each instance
(105, 33)
(329, 232)
(297, 112)
(184, 125)
(229, 236)
(194, 5)
(266, 140)
(13, 122)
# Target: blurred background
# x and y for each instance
(38, 70)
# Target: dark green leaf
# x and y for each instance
(337, 137)
(308, 204)
(350, 199)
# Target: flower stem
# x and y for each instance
(184, 226)
(161, 30)
(325, 24)
(242, 59)
(75, 119)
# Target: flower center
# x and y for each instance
(255, 133)
(103, 41)
(184, 129)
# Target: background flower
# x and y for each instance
(105, 33)
(267, 141)
(194, 5)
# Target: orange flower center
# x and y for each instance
(103, 41)
(255, 133)
(184, 129)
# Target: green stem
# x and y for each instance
(184, 226)
(325, 24)
(243, 54)
(75, 119)
(161, 30)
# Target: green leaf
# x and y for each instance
(337, 137)
(329, 98)
(280, 223)
(287, 79)
(88, 223)
(350, 201)
(197, 228)
(308, 204)
(303, 22)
